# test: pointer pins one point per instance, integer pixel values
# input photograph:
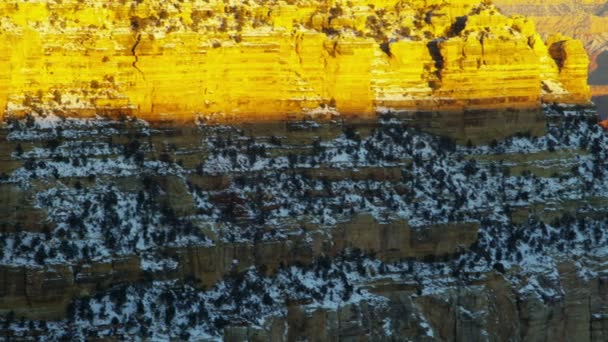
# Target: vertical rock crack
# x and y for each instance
(134, 53)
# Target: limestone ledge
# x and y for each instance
(271, 59)
(45, 292)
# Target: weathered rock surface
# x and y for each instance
(586, 20)
(486, 310)
(178, 220)
(181, 59)
(45, 292)
(583, 19)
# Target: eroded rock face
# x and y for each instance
(586, 20)
(181, 59)
(45, 292)
(327, 230)
(583, 19)
(487, 310)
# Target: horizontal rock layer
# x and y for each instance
(181, 59)
(586, 20)
(44, 292)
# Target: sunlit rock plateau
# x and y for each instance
(230, 60)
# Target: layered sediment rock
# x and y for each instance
(488, 309)
(322, 230)
(45, 292)
(180, 59)
(572, 61)
(586, 20)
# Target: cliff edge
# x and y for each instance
(270, 59)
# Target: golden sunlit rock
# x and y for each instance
(271, 59)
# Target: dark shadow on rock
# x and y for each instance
(601, 103)
(480, 127)
(600, 75)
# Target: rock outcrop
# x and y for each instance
(45, 292)
(585, 20)
(326, 230)
(268, 59)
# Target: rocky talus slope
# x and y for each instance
(259, 59)
(470, 227)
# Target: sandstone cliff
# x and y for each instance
(264, 59)
(586, 20)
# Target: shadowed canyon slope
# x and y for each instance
(366, 229)
(178, 59)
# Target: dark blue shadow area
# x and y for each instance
(600, 75)
(602, 106)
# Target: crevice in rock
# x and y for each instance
(134, 53)
(458, 26)
(386, 48)
(435, 76)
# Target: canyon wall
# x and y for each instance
(181, 59)
(586, 20)
(335, 229)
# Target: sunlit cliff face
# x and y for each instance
(274, 59)
(586, 20)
